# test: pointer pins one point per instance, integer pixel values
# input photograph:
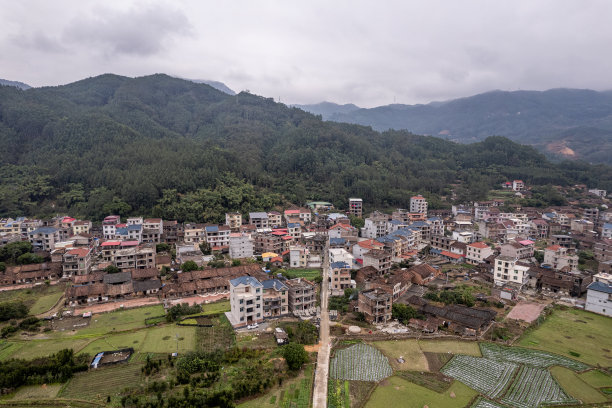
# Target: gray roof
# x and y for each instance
(246, 280)
(258, 215)
(274, 283)
(120, 277)
(44, 230)
(600, 287)
(149, 284)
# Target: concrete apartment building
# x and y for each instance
(375, 304)
(599, 294)
(508, 269)
(137, 257)
(477, 252)
(356, 207)
(246, 301)
(301, 294)
(275, 219)
(298, 256)
(375, 226)
(152, 230)
(259, 220)
(418, 204)
(558, 258)
(81, 227)
(275, 298)
(340, 276)
(44, 238)
(109, 226)
(76, 261)
(381, 260)
(240, 246)
(217, 237)
(233, 220)
(194, 233)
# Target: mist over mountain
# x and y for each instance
(215, 84)
(16, 84)
(327, 110)
(548, 119)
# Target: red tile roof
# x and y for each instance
(451, 255)
(80, 252)
(479, 245)
(554, 247)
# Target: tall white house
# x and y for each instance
(508, 269)
(246, 301)
(418, 204)
(599, 294)
(240, 246)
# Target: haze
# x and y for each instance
(367, 53)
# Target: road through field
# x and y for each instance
(319, 397)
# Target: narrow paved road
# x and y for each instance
(319, 398)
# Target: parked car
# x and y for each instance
(252, 326)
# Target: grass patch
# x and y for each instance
(596, 378)
(409, 350)
(309, 274)
(42, 348)
(8, 348)
(97, 384)
(221, 306)
(576, 386)
(574, 331)
(437, 382)
(295, 392)
(121, 320)
(116, 342)
(30, 296)
(44, 391)
(220, 336)
(395, 389)
(469, 348)
(164, 339)
(45, 302)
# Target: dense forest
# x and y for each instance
(172, 148)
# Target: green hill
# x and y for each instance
(168, 147)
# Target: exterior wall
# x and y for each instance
(507, 270)
(275, 303)
(340, 279)
(356, 207)
(376, 305)
(233, 220)
(246, 304)
(418, 204)
(301, 295)
(476, 255)
(599, 302)
(240, 246)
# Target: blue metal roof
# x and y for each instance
(274, 283)
(44, 230)
(246, 280)
(600, 287)
(293, 225)
(134, 227)
(212, 228)
(337, 241)
(121, 231)
(339, 265)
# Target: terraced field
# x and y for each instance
(534, 358)
(97, 384)
(486, 376)
(534, 386)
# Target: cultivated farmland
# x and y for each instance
(360, 362)
(99, 383)
(532, 357)
(534, 386)
(486, 376)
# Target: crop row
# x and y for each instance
(535, 358)
(534, 386)
(484, 403)
(360, 363)
(485, 375)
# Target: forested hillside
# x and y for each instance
(168, 147)
(578, 117)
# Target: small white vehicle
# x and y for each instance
(252, 326)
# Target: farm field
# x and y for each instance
(45, 302)
(163, 339)
(486, 376)
(115, 342)
(309, 274)
(121, 320)
(469, 348)
(534, 386)
(583, 333)
(45, 391)
(39, 348)
(576, 387)
(216, 307)
(295, 392)
(394, 389)
(409, 350)
(31, 296)
(596, 378)
(360, 362)
(107, 380)
(220, 336)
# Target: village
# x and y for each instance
(479, 271)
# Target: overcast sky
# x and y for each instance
(366, 52)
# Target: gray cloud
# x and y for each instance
(139, 31)
(303, 52)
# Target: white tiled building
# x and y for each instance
(418, 204)
(240, 246)
(599, 294)
(508, 269)
(246, 301)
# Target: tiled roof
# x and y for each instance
(274, 284)
(481, 245)
(600, 287)
(246, 280)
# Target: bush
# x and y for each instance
(295, 355)
(189, 266)
(183, 309)
(12, 310)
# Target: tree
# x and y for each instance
(205, 248)
(236, 262)
(111, 269)
(403, 313)
(163, 247)
(295, 355)
(189, 266)
(29, 258)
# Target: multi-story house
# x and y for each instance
(108, 249)
(599, 294)
(275, 298)
(76, 261)
(240, 246)
(194, 233)
(301, 294)
(265, 242)
(381, 260)
(275, 219)
(81, 227)
(137, 257)
(375, 226)
(437, 226)
(109, 226)
(341, 255)
(356, 207)
(298, 256)
(152, 230)
(217, 237)
(518, 185)
(418, 204)
(259, 219)
(477, 252)
(603, 250)
(233, 220)
(558, 258)
(508, 269)
(305, 216)
(246, 301)
(44, 238)
(134, 221)
(606, 230)
(591, 214)
(539, 229)
(518, 250)
(375, 304)
(173, 232)
(132, 232)
(340, 276)
(294, 230)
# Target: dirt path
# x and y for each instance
(319, 397)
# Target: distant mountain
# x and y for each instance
(328, 109)
(17, 84)
(529, 117)
(220, 86)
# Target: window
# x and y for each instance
(242, 309)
